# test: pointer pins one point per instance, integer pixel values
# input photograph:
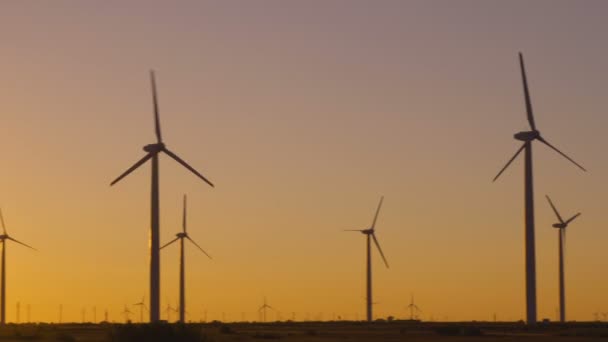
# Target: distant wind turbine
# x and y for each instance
(182, 264)
(153, 150)
(142, 306)
(263, 308)
(413, 308)
(561, 225)
(127, 313)
(168, 311)
(528, 137)
(371, 235)
(3, 239)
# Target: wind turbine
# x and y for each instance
(153, 150)
(561, 225)
(126, 312)
(413, 308)
(371, 235)
(263, 309)
(3, 239)
(182, 264)
(528, 137)
(142, 306)
(168, 311)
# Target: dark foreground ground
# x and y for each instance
(307, 331)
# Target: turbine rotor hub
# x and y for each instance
(154, 148)
(527, 135)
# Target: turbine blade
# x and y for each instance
(179, 160)
(184, 217)
(170, 242)
(572, 218)
(353, 230)
(526, 93)
(554, 209)
(132, 168)
(509, 162)
(560, 152)
(380, 249)
(377, 212)
(159, 137)
(21, 243)
(199, 247)
(3, 226)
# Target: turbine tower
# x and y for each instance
(153, 150)
(182, 264)
(528, 137)
(561, 225)
(3, 239)
(371, 235)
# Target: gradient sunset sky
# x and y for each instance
(303, 113)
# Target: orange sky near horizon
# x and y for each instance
(303, 114)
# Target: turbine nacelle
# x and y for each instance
(154, 148)
(527, 135)
(560, 225)
(3, 237)
(181, 235)
(367, 231)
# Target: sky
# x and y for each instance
(303, 113)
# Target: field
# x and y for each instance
(306, 331)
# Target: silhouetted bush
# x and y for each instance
(156, 333)
(224, 329)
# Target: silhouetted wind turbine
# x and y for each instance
(371, 235)
(527, 137)
(168, 311)
(561, 225)
(142, 306)
(182, 264)
(263, 309)
(126, 312)
(153, 150)
(413, 308)
(3, 238)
